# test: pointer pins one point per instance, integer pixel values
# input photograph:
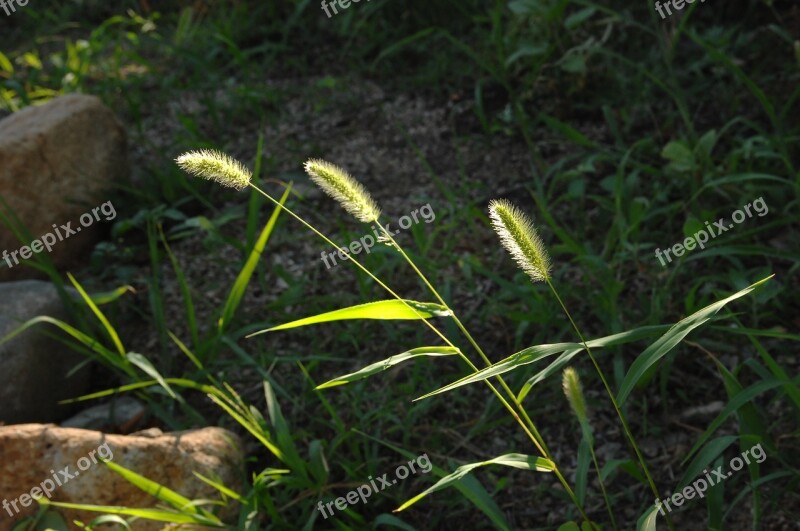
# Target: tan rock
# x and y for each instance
(31, 454)
(57, 162)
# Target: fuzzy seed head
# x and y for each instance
(215, 166)
(342, 187)
(519, 237)
(574, 393)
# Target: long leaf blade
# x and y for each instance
(389, 362)
(674, 335)
(166, 495)
(385, 310)
(243, 279)
(525, 462)
(538, 352)
(469, 487)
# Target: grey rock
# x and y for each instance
(33, 366)
(118, 416)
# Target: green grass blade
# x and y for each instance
(742, 398)
(523, 357)
(102, 318)
(5, 64)
(469, 487)
(617, 339)
(220, 487)
(112, 358)
(179, 382)
(389, 362)
(675, 335)
(792, 391)
(161, 492)
(283, 434)
(246, 422)
(386, 310)
(751, 487)
(240, 285)
(107, 297)
(537, 352)
(183, 348)
(525, 462)
(158, 515)
(647, 522)
(704, 458)
(186, 293)
(148, 368)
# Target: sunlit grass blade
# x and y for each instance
(524, 357)
(183, 348)
(180, 382)
(385, 310)
(239, 412)
(525, 462)
(468, 486)
(613, 340)
(112, 333)
(158, 515)
(283, 436)
(675, 335)
(112, 358)
(107, 297)
(389, 362)
(148, 368)
(537, 352)
(160, 492)
(243, 279)
(647, 522)
(221, 488)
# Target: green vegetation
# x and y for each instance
(617, 132)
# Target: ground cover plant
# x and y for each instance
(587, 397)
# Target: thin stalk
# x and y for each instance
(602, 486)
(435, 292)
(469, 337)
(610, 393)
(497, 393)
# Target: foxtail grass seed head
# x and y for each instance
(342, 187)
(519, 237)
(574, 392)
(215, 166)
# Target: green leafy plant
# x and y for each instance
(519, 237)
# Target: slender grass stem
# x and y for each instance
(602, 486)
(621, 416)
(541, 444)
(469, 337)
